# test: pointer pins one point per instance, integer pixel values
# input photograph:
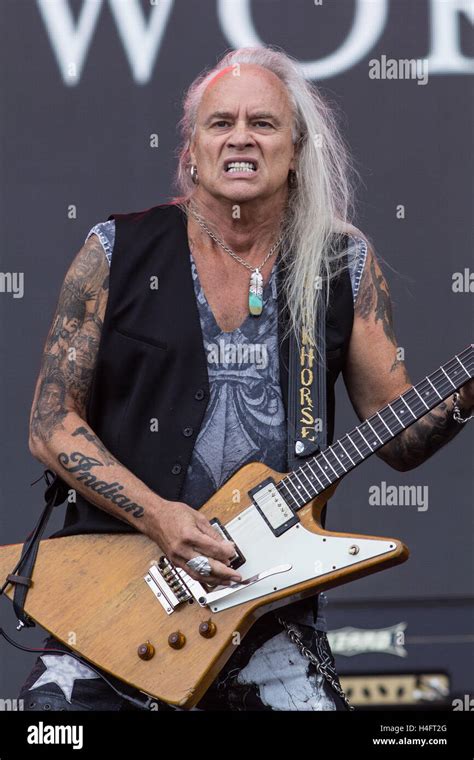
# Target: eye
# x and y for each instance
(265, 123)
(220, 123)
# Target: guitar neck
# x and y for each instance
(313, 477)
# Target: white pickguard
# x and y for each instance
(309, 554)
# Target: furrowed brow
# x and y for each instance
(229, 115)
(219, 115)
(265, 115)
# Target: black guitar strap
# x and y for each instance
(307, 394)
(56, 493)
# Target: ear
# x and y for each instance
(294, 158)
(192, 156)
(292, 164)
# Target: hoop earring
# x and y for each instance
(194, 174)
(292, 179)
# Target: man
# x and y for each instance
(160, 417)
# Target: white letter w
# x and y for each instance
(70, 41)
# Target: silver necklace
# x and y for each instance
(256, 279)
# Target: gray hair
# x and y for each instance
(322, 201)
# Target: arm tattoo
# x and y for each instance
(373, 299)
(422, 439)
(107, 457)
(80, 466)
(73, 341)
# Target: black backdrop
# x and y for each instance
(85, 84)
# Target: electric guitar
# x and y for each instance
(120, 603)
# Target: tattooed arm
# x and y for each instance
(59, 434)
(375, 374)
(61, 438)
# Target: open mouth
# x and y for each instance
(240, 167)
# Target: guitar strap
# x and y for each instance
(307, 414)
(56, 493)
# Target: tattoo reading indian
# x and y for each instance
(81, 465)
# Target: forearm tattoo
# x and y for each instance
(73, 341)
(80, 465)
(432, 431)
(422, 439)
(107, 457)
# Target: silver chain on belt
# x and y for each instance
(320, 666)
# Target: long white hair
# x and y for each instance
(321, 203)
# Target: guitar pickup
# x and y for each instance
(273, 508)
(238, 559)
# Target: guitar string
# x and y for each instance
(330, 450)
(373, 419)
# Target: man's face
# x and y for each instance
(70, 325)
(244, 113)
(49, 400)
(85, 344)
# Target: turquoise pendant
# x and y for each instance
(256, 294)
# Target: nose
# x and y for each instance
(240, 137)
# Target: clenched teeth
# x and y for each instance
(241, 166)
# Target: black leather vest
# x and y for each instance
(151, 362)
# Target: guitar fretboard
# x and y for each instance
(313, 477)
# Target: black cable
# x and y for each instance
(25, 556)
(145, 705)
(136, 702)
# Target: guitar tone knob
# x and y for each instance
(146, 651)
(354, 549)
(208, 629)
(177, 640)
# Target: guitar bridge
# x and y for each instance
(172, 586)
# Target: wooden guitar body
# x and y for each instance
(90, 591)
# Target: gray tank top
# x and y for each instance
(245, 416)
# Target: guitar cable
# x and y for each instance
(136, 702)
(142, 705)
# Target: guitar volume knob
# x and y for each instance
(177, 640)
(208, 629)
(146, 651)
